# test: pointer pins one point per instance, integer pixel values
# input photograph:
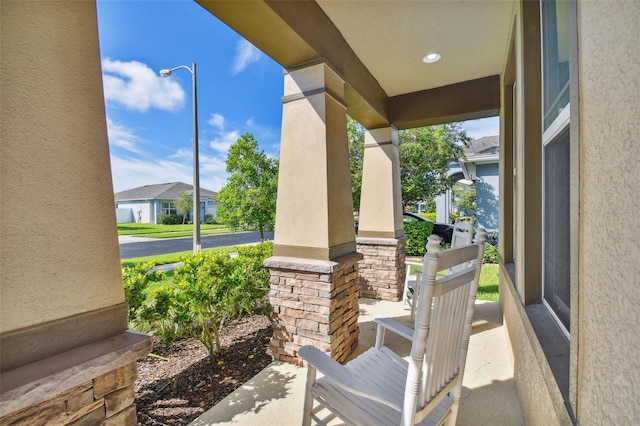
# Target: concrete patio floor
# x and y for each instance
(275, 395)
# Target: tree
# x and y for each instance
(248, 200)
(184, 204)
(425, 154)
(355, 134)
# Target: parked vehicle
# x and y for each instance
(443, 230)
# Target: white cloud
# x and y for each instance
(217, 121)
(246, 54)
(121, 136)
(482, 127)
(130, 173)
(137, 87)
(224, 141)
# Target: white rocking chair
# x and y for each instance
(381, 388)
(463, 233)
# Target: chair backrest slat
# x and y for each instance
(442, 325)
(462, 233)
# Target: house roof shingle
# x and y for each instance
(488, 145)
(161, 191)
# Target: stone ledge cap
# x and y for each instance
(39, 381)
(380, 241)
(311, 265)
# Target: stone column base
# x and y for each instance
(93, 384)
(382, 270)
(315, 302)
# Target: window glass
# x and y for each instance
(555, 58)
(168, 208)
(556, 227)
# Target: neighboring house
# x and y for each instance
(146, 204)
(479, 168)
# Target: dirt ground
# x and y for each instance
(180, 381)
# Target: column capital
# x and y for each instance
(381, 136)
(314, 79)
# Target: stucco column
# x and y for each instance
(381, 232)
(314, 272)
(66, 355)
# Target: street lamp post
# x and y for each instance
(196, 163)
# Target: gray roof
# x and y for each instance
(161, 191)
(488, 145)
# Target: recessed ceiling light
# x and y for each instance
(430, 58)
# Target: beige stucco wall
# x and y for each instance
(314, 184)
(381, 199)
(59, 248)
(609, 72)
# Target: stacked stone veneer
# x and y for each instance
(382, 269)
(106, 400)
(315, 303)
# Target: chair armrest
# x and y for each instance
(342, 377)
(389, 324)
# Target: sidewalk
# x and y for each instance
(275, 395)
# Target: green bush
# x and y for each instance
(417, 234)
(212, 287)
(169, 219)
(429, 216)
(207, 290)
(209, 219)
(490, 254)
(135, 280)
(160, 313)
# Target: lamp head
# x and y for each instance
(165, 73)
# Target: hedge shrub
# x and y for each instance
(207, 290)
(170, 219)
(417, 234)
(490, 253)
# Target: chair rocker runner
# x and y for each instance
(381, 388)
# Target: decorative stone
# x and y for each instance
(382, 269)
(117, 379)
(119, 400)
(314, 303)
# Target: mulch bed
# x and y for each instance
(185, 381)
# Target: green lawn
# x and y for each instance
(488, 285)
(150, 230)
(163, 259)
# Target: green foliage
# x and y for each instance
(429, 216)
(417, 234)
(209, 219)
(135, 280)
(355, 135)
(467, 200)
(425, 154)
(184, 204)
(248, 200)
(490, 254)
(430, 206)
(207, 290)
(169, 219)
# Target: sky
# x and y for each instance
(149, 117)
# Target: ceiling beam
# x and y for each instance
(461, 101)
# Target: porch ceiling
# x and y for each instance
(377, 47)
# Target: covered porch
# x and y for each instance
(275, 395)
